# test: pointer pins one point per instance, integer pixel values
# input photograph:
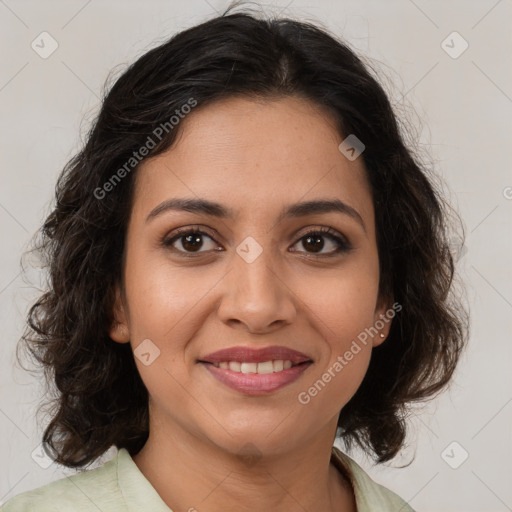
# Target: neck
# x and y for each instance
(192, 473)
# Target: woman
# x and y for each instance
(245, 262)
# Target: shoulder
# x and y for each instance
(369, 494)
(94, 489)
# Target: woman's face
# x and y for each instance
(254, 278)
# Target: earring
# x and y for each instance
(382, 335)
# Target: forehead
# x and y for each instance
(255, 155)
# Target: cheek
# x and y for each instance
(163, 310)
(168, 306)
(343, 305)
(164, 299)
(343, 309)
(338, 376)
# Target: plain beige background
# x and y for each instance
(464, 105)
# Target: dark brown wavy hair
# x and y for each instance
(96, 396)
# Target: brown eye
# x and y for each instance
(315, 241)
(190, 241)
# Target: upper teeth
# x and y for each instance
(264, 367)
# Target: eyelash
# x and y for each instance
(343, 246)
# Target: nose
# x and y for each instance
(255, 297)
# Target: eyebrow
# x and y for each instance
(205, 207)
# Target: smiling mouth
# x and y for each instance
(256, 379)
(262, 368)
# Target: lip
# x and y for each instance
(254, 383)
(260, 355)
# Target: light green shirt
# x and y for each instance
(119, 485)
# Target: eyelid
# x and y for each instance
(178, 233)
(324, 230)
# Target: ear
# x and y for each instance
(384, 313)
(119, 330)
